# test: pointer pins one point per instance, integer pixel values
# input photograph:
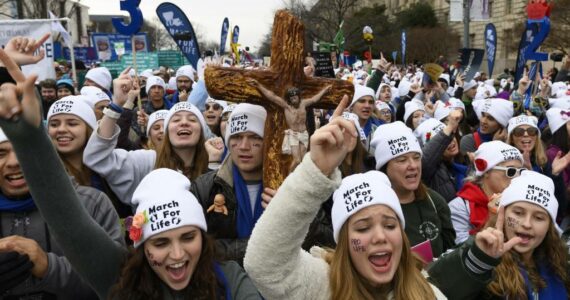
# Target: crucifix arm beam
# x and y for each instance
(316, 98)
(230, 83)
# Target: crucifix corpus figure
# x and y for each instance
(296, 137)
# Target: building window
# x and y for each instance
(490, 9)
(507, 42)
(508, 6)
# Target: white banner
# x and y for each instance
(34, 29)
(478, 11)
(456, 11)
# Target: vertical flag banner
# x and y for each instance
(339, 42)
(234, 43)
(471, 60)
(490, 46)
(180, 28)
(224, 35)
(528, 35)
(403, 47)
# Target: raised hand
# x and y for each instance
(331, 143)
(560, 163)
(121, 87)
(500, 135)
(10, 107)
(142, 118)
(452, 121)
(524, 82)
(460, 80)
(22, 49)
(215, 148)
(183, 95)
(491, 240)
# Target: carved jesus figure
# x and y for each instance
(296, 138)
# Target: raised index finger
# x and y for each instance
(500, 218)
(12, 67)
(341, 107)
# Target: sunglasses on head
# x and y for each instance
(510, 172)
(215, 106)
(518, 132)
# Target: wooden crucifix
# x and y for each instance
(287, 62)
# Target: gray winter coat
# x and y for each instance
(61, 280)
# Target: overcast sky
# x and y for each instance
(254, 17)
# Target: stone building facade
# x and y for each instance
(506, 15)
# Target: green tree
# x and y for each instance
(418, 15)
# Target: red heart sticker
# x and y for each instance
(480, 164)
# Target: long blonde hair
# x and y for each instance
(346, 283)
(538, 153)
(508, 281)
(167, 158)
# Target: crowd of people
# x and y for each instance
(144, 187)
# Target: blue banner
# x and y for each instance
(527, 37)
(471, 60)
(224, 37)
(403, 47)
(180, 28)
(235, 35)
(490, 46)
(534, 68)
(394, 56)
(104, 44)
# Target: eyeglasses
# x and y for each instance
(510, 172)
(386, 112)
(518, 132)
(215, 106)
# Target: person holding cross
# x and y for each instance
(296, 137)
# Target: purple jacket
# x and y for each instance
(551, 152)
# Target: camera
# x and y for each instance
(556, 56)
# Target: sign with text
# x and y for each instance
(324, 66)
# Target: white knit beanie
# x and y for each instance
(222, 103)
(94, 95)
(562, 103)
(557, 118)
(146, 73)
(493, 153)
(187, 71)
(393, 140)
(379, 90)
(381, 105)
(361, 91)
(500, 109)
(154, 117)
(164, 202)
(442, 110)
(456, 103)
(100, 76)
(532, 187)
(228, 109)
(155, 80)
(469, 85)
(359, 191)
(404, 87)
(411, 107)
(558, 86)
(74, 105)
(522, 120)
(428, 129)
(246, 117)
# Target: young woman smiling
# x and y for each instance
(398, 155)
(182, 147)
(372, 259)
(519, 253)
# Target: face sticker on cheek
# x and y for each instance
(357, 245)
(512, 222)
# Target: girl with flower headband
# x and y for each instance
(183, 147)
(372, 259)
(517, 255)
(173, 256)
(496, 163)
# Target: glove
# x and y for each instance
(14, 269)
